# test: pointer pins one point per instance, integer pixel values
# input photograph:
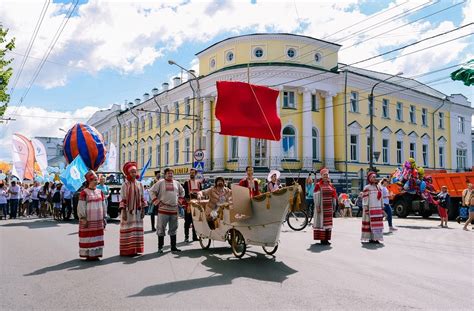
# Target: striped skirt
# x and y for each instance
(131, 235)
(91, 238)
(372, 224)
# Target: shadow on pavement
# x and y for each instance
(372, 246)
(225, 270)
(81, 264)
(319, 248)
(36, 224)
(417, 227)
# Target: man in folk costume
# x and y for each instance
(91, 209)
(153, 208)
(250, 182)
(132, 207)
(218, 195)
(165, 194)
(324, 197)
(191, 188)
(372, 215)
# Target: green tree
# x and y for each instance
(5, 70)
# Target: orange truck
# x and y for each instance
(405, 203)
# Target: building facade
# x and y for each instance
(324, 110)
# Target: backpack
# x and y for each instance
(56, 197)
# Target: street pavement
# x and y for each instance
(418, 267)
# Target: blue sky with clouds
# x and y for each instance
(116, 51)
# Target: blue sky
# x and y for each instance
(109, 52)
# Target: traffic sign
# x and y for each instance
(199, 155)
(199, 166)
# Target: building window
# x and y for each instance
(129, 156)
(424, 116)
(317, 57)
(129, 129)
(385, 152)
(136, 155)
(142, 157)
(461, 125)
(135, 129)
(150, 153)
(354, 147)
(176, 151)
(424, 153)
(187, 106)
(234, 148)
(315, 145)
(413, 150)
(258, 52)
(385, 108)
(399, 152)
(176, 111)
(314, 103)
(158, 156)
(167, 115)
(291, 52)
(354, 102)
(441, 120)
(142, 120)
(150, 121)
(412, 114)
(461, 157)
(212, 63)
(399, 111)
(289, 143)
(441, 156)
(187, 149)
(229, 56)
(167, 153)
(289, 99)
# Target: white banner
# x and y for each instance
(40, 155)
(112, 158)
(19, 157)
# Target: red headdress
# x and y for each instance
(379, 193)
(127, 167)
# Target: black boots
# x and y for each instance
(173, 244)
(161, 242)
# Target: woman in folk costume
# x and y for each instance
(90, 210)
(132, 207)
(324, 197)
(372, 215)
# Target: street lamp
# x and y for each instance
(198, 97)
(371, 112)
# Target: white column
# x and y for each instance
(243, 151)
(275, 146)
(218, 144)
(329, 132)
(307, 131)
(206, 132)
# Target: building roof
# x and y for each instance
(406, 83)
(267, 34)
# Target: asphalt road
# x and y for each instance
(418, 267)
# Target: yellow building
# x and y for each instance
(324, 110)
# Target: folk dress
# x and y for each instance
(372, 215)
(131, 230)
(91, 235)
(324, 197)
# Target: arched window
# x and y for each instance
(315, 143)
(289, 142)
(150, 121)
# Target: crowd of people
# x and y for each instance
(41, 200)
(162, 201)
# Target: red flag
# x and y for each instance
(247, 110)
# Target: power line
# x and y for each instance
(30, 44)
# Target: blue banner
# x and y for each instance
(73, 176)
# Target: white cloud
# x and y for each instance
(128, 36)
(33, 121)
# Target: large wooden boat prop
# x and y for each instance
(246, 221)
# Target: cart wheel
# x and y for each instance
(237, 243)
(297, 220)
(270, 251)
(205, 242)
